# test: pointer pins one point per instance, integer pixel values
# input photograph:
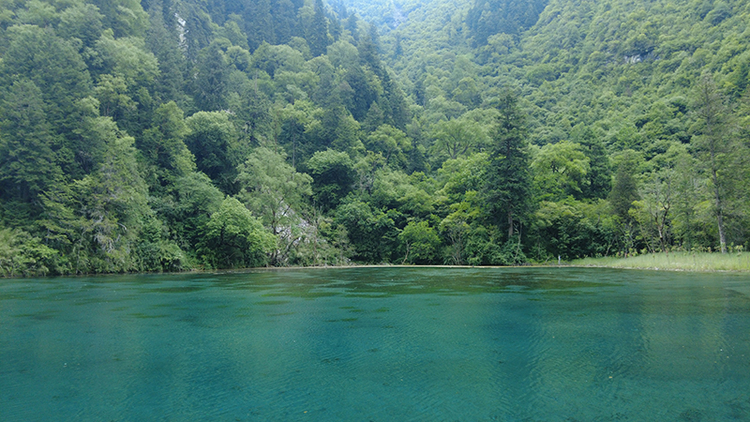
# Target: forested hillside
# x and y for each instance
(166, 135)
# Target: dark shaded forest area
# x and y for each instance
(167, 135)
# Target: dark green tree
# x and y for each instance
(333, 176)
(508, 184)
(258, 23)
(360, 95)
(212, 139)
(489, 17)
(625, 188)
(600, 173)
(27, 157)
(163, 40)
(54, 66)
(211, 80)
(81, 21)
(126, 17)
(163, 146)
(284, 18)
(317, 30)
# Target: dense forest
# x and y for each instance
(167, 135)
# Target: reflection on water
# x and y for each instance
(378, 344)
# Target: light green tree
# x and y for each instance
(234, 238)
(716, 145)
(275, 191)
(420, 242)
(456, 137)
(560, 170)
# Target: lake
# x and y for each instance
(378, 344)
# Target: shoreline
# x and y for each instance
(710, 263)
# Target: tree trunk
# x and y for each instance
(510, 224)
(719, 202)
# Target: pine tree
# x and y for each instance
(163, 40)
(284, 16)
(212, 79)
(508, 183)
(258, 23)
(317, 32)
(27, 158)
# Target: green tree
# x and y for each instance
(624, 193)
(372, 233)
(333, 177)
(126, 17)
(456, 226)
(24, 255)
(275, 191)
(212, 139)
(599, 176)
(571, 229)
(115, 206)
(284, 20)
(233, 238)
(653, 210)
(456, 137)
(560, 170)
(114, 101)
(392, 143)
(715, 143)
(212, 77)
(420, 242)
(508, 183)
(163, 146)
(56, 68)
(188, 207)
(126, 58)
(81, 21)
(163, 39)
(258, 22)
(317, 30)
(27, 158)
(625, 186)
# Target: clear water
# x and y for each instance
(378, 344)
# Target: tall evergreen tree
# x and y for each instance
(714, 142)
(163, 40)
(211, 82)
(54, 66)
(317, 30)
(258, 23)
(284, 18)
(27, 159)
(508, 183)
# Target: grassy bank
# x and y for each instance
(687, 261)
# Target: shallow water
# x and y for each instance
(380, 344)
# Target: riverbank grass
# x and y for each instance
(686, 261)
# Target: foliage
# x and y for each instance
(233, 238)
(680, 261)
(420, 242)
(22, 255)
(508, 180)
(168, 134)
(273, 190)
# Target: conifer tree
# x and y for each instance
(317, 33)
(508, 183)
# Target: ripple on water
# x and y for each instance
(379, 344)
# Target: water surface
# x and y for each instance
(380, 344)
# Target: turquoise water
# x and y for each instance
(377, 344)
